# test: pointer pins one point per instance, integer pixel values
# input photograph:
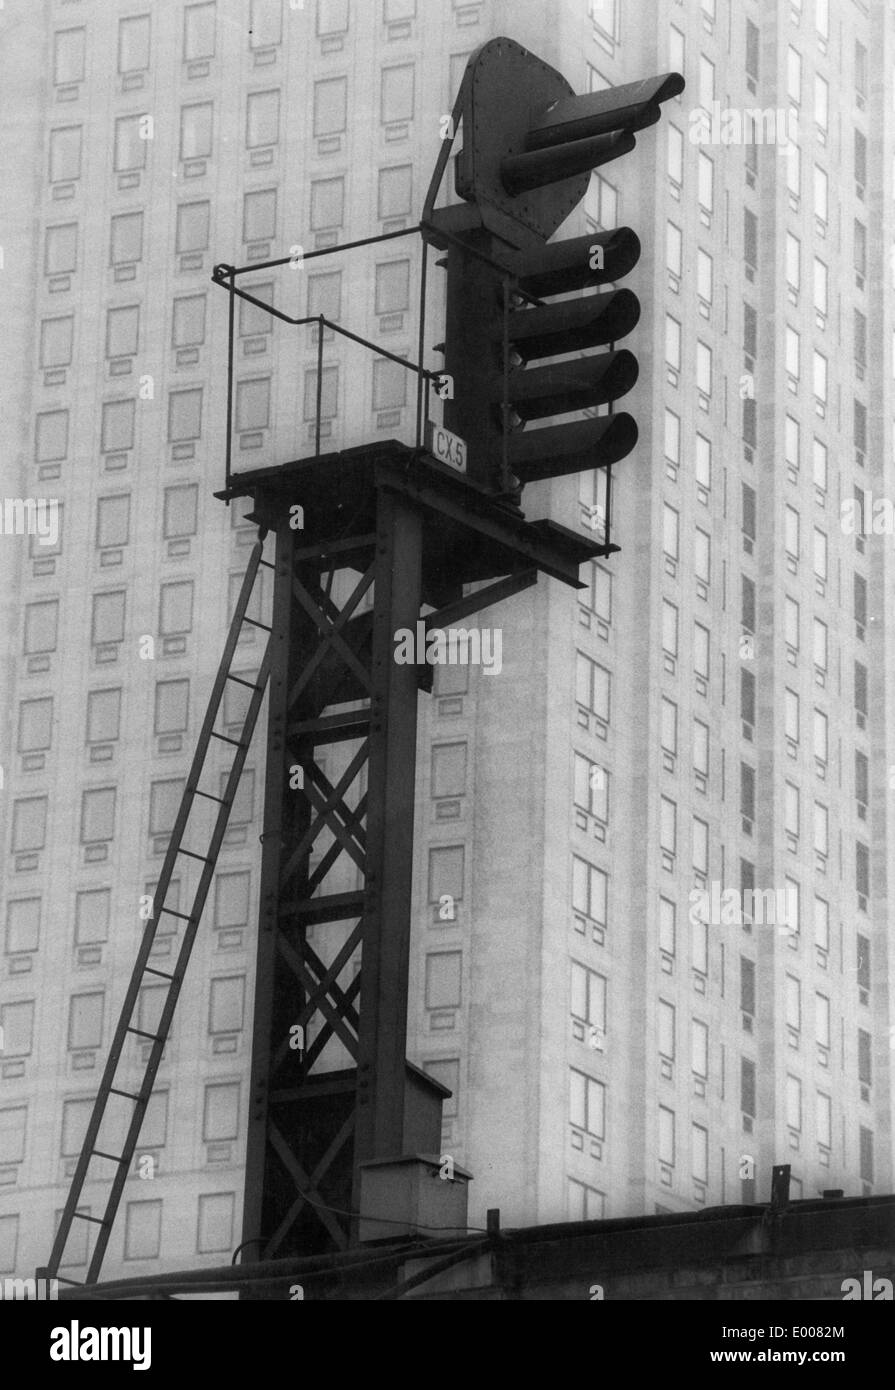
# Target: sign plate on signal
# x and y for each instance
(447, 447)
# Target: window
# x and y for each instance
(672, 343)
(103, 715)
(389, 385)
(587, 1103)
(446, 872)
(588, 998)
(666, 926)
(330, 106)
(605, 16)
(267, 23)
(393, 287)
(673, 248)
(819, 644)
(253, 320)
(702, 556)
(793, 1001)
(143, 1230)
(108, 617)
(180, 508)
(701, 650)
(226, 1004)
(92, 911)
(198, 32)
(56, 341)
(704, 368)
(791, 809)
(253, 404)
(231, 899)
(791, 715)
(51, 436)
(747, 696)
(188, 322)
(705, 181)
(668, 825)
(35, 725)
(396, 94)
(262, 119)
(443, 979)
(329, 394)
(12, 1133)
(172, 699)
(699, 1048)
(598, 598)
(747, 1086)
(259, 214)
(791, 622)
(793, 1102)
(184, 414)
(176, 608)
(585, 1203)
(665, 1030)
(821, 102)
(61, 249)
(820, 554)
(22, 925)
(819, 374)
(215, 1222)
(700, 1145)
(591, 787)
(85, 1020)
(794, 75)
(791, 531)
(666, 1136)
(192, 227)
(41, 627)
(824, 1112)
(592, 689)
(133, 43)
(821, 924)
(589, 885)
(703, 462)
(65, 154)
(750, 238)
(327, 204)
(793, 261)
(670, 531)
(130, 145)
(747, 985)
(792, 352)
(701, 747)
(860, 252)
(395, 185)
(669, 627)
(862, 869)
(68, 56)
(821, 195)
(17, 1027)
(447, 1073)
(675, 155)
(822, 1020)
(221, 1111)
(196, 123)
(706, 82)
(668, 726)
(97, 814)
(332, 17)
(820, 286)
(821, 736)
(122, 331)
(752, 50)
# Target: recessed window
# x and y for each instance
(198, 32)
(133, 43)
(395, 191)
(192, 227)
(61, 249)
(65, 154)
(262, 118)
(103, 716)
(85, 1020)
(330, 106)
(130, 143)
(196, 128)
(220, 1118)
(259, 215)
(113, 520)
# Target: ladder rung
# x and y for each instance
(116, 1091)
(209, 796)
(97, 1220)
(227, 739)
(250, 685)
(151, 970)
(172, 912)
(255, 623)
(141, 1033)
(192, 855)
(112, 1158)
(268, 564)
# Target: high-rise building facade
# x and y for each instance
(662, 828)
